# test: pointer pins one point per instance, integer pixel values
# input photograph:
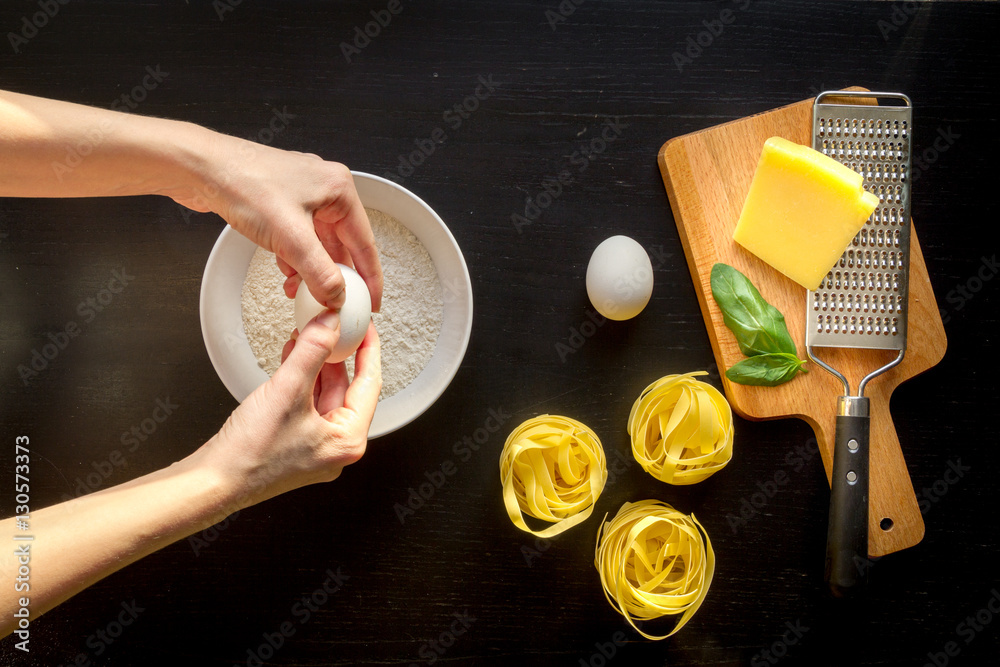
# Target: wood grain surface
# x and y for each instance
(707, 175)
(585, 91)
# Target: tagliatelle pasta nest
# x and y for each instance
(553, 469)
(681, 429)
(654, 561)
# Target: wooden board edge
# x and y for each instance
(935, 346)
(677, 145)
(672, 160)
(940, 335)
(891, 541)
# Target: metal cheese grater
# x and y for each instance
(862, 301)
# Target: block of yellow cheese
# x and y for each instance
(802, 211)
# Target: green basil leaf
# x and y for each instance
(766, 370)
(758, 326)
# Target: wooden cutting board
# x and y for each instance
(707, 175)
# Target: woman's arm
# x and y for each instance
(301, 427)
(58, 149)
(302, 208)
(81, 541)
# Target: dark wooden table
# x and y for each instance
(456, 583)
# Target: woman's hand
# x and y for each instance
(304, 209)
(302, 426)
(306, 423)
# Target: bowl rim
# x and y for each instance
(448, 371)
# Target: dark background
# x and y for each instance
(555, 87)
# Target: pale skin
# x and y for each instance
(301, 427)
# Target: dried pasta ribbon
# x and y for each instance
(681, 429)
(654, 561)
(553, 469)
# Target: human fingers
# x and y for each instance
(346, 220)
(312, 155)
(285, 267)
(287, 348)
(291, 285)
(304, 356)
(362, 394)
(292, 277)
(338, 251)
(332, 386)
(303, 251)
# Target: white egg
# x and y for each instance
(619, 278)
(354, 316)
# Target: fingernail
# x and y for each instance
(329, 318)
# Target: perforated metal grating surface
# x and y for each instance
(862, 301)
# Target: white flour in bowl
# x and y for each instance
(408, 325)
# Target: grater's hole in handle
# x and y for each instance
(886, 524)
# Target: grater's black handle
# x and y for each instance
(847, 534)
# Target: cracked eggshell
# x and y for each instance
(354, 315)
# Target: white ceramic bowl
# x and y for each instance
(222, 317)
